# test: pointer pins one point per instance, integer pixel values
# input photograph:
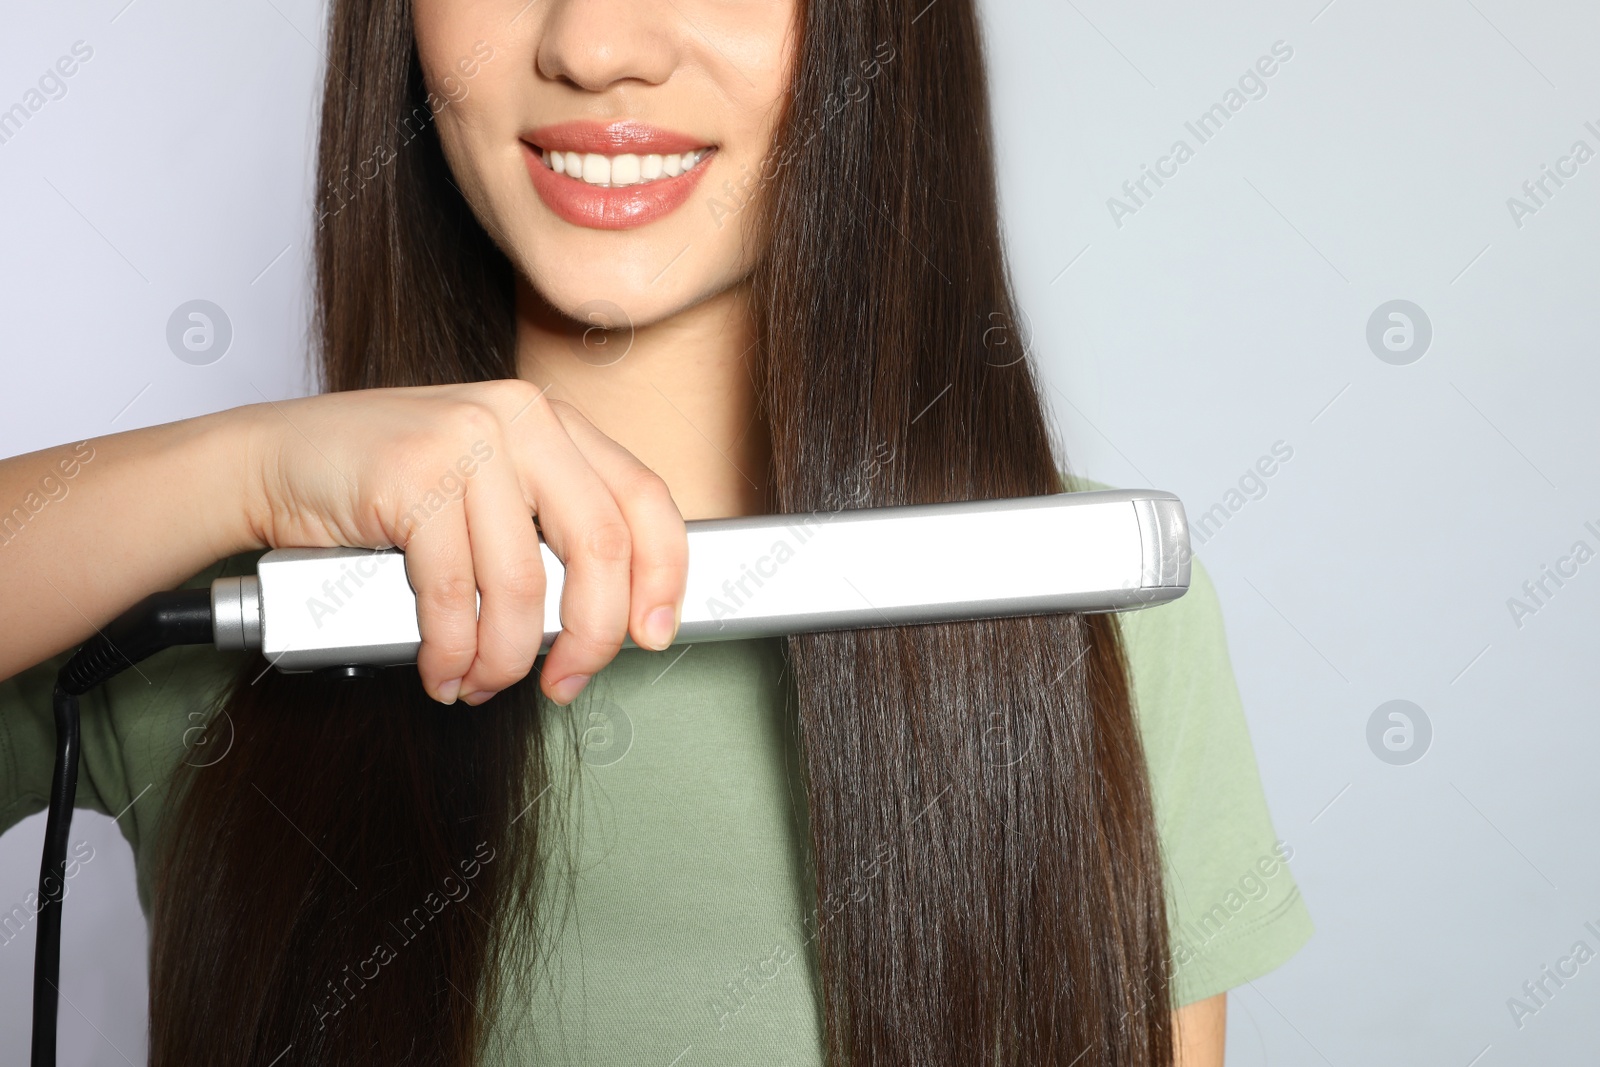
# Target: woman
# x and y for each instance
(612, 266)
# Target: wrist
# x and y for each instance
(236, 514)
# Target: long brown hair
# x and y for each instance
(987, 872)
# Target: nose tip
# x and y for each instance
(593, 46)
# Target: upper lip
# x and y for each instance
(612, 138)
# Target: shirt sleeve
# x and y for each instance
(1234, 909)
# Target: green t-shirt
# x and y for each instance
(688, 938)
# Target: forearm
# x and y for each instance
(88, 529)
(1200, 1032)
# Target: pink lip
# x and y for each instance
(619, 208)
(613, 139)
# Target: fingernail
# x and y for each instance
(659, 627)
(448, 691)
(566, 690)
(478, 697)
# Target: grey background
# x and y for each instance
(1227, 313)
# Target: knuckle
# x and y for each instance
(596, 643)
(501, 671)
(609, 542)
(523, 581)
(449, 654)
(645, 486)
(428, 454)
(667, 558)
(512, 393)
(451, 592)
(475, 419)
(452, 661)
(675, 557)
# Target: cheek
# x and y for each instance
(458, 46)
(469, 73)
(482, 164)
(765, 60)
(755, 87)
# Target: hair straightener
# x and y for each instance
(350, 612)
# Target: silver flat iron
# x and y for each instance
(310, 609)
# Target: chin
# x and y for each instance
(633, 282)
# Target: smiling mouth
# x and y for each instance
(629, 168)
(617, 175)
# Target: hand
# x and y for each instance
(453, 475)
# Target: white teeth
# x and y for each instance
(626, 169)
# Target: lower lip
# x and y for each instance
(618, 208)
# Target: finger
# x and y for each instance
(511, 582)
(439, 567)
(586, 531)
(660, 565)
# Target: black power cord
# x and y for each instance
(161, 620)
